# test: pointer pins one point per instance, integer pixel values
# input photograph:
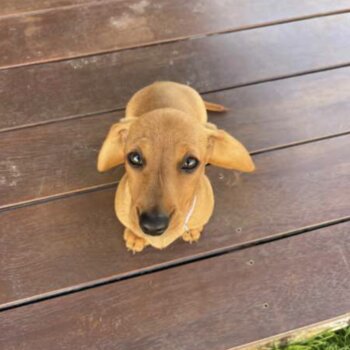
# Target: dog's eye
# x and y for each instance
(189, 164)
(135, 159)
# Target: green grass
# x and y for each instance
(339, 340)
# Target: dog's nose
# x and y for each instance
(154, 223)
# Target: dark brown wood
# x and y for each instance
(75, 241)
(61, 158)
(217, 303)
(114, 25)
(95, 84)
(63, 245)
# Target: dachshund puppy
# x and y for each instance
(165, 142)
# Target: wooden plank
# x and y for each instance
(77, 241)
(91, 85)
(216, 303)
(14, 8)
(308, 8)
(114, 25)
(60, 158)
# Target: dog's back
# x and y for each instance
(167, 95)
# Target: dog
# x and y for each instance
(165, 143)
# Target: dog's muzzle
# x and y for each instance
(154, 223)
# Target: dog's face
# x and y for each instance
(165, 153)
(165, 156)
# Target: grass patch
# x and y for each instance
(339, 340)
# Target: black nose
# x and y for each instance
(154, 223)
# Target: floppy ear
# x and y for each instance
(112, 150)
(227, 152)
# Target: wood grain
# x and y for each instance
(114, 25)
(95, 84)
(60, 158)
(15, 8)
(75, 241)
(217, 303)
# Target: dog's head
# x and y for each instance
(165, 153)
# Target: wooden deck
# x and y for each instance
(275, 257)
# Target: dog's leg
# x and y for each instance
(192, 235)
(133, 242)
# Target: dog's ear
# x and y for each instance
(112, 150)
(227, 152)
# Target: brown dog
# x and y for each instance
(165, 142)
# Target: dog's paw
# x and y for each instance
(192, 235)
(133, 242)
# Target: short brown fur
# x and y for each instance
(167, 121)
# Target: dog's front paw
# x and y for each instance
(192, 235)
(133, 242)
